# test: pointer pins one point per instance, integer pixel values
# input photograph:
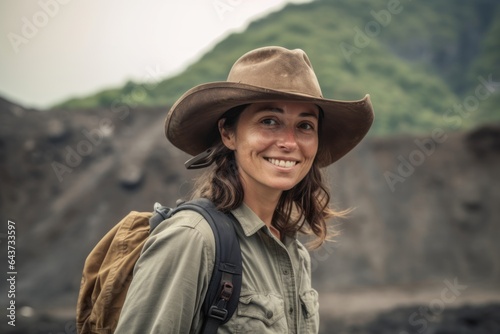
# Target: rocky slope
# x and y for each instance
(425, 210)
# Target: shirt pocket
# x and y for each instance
(261, 313)
(310, 306)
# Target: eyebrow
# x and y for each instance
(281, 111)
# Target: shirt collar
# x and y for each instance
(249, 221)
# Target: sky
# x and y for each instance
(51, 50)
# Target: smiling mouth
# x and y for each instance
(282, 163)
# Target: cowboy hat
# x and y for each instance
(262, 75)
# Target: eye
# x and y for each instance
(306, 126)
(269, 121)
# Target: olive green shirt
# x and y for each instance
(172, 274)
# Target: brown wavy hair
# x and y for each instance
(304, 208)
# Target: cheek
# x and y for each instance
(254, 142)
(310, 147)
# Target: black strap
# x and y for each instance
(204, 159)
(224, 288)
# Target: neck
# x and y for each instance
(262, 204)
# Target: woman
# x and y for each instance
(267, 131)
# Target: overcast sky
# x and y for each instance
(51, 50)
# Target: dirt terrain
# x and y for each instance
(418, 253)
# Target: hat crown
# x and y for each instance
(278, 69)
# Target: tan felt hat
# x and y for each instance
(262, 75)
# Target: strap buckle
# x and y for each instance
(217, 313)
(227, 290)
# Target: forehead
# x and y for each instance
(302, 109)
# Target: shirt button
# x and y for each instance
(285, 271)
(269, 314)
(290, 310)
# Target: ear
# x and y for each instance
(228, 137)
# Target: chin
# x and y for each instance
(283, 186)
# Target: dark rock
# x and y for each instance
(484, 141)
(56, 130)
(131, 177)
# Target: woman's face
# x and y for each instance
(274, 145)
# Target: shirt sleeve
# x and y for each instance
(170, 278)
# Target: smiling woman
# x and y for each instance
(266, 131)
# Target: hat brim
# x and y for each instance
(191, 123)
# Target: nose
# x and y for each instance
(287, 140)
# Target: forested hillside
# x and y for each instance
(426, 64)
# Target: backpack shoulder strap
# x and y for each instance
(225, 284)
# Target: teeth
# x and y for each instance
(282, 163)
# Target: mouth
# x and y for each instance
(282, 163)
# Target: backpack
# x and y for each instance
(108, 269)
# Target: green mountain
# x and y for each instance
(423, 63)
